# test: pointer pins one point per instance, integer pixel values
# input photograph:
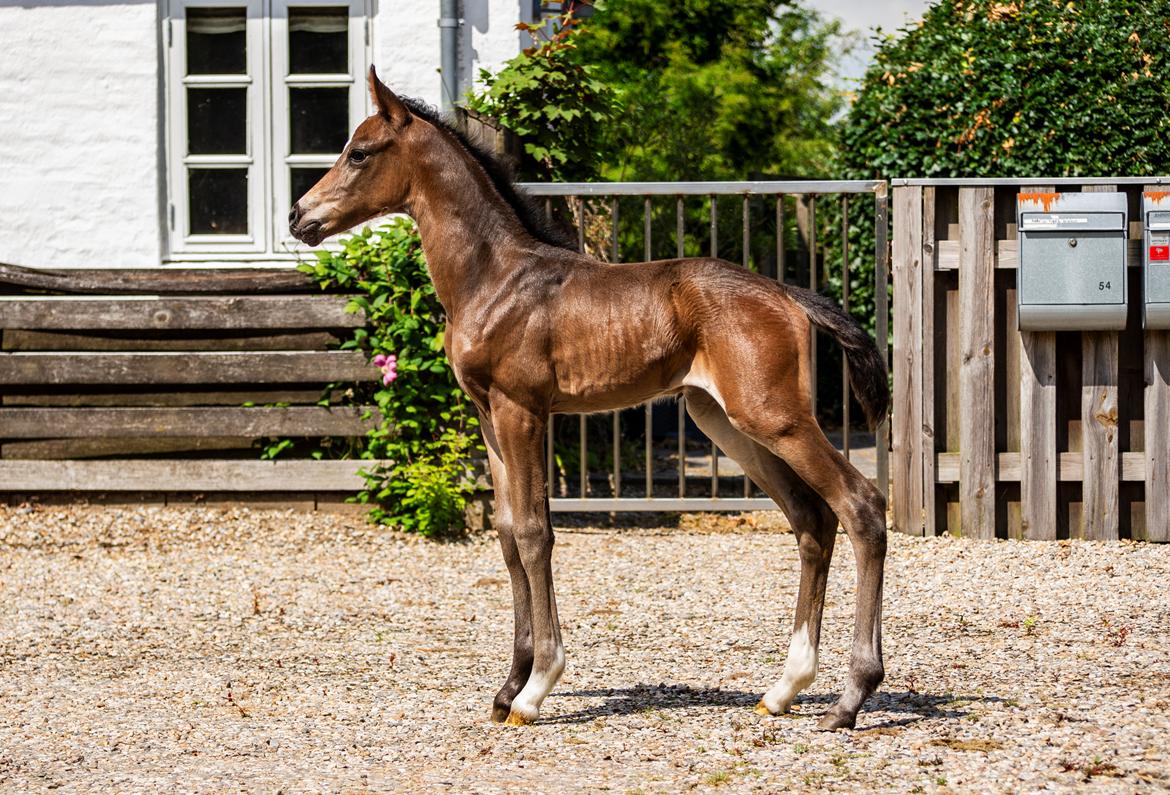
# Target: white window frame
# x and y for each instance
(267, 158)
(282, 81)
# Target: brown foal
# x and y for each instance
(534, 328)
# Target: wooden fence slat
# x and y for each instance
(68, 423)
(1069, 467)
(173, 475)
(185, 368)
(130, 399)
(977, 368)
(1100, 516)
(1038, 434)
(138, 281)
(122, 448)
(926, 365)
(202, 312)
(1157, 435)
(1101, 496)
(906, 459)
(47, 341)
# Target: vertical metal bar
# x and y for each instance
(617, 415)
(812, 285)
(648, 253)
(583, 465)
(845, 391)
(682, 401)
(780, 242)
(714, 253)
(746, 261)
(881, 223)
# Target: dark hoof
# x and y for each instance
(500, 713)
(832, 721)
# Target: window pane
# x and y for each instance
(215, 41)
(217, 121)
(219, 201)
(320, 120)
(301, 180)
(318, 41)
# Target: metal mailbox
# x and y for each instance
(1072, 249)
(1156, 260)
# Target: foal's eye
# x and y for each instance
(356, 156)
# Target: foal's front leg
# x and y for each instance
(521, 598)
(519, 433)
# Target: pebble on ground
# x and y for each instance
(148, 649)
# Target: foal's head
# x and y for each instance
(371, 178)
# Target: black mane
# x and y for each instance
(530, 214)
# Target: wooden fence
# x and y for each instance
(1003, 433)
(162, 381)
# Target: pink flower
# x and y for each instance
(388, 364)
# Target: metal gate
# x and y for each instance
(667, 464)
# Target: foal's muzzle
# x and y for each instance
(309, 233)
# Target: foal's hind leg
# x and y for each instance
(815, 528)
(798, 440)
(521, 599)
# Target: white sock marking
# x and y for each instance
(800, 669)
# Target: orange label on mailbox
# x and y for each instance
(1159, 253)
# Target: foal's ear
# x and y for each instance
(385, 100)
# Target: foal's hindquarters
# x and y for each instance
(747, 384)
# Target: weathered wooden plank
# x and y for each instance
(906, 423)
(926, 364)
(140, 281)
(1038, 434)
(1011, 390)
(1069, 469)
(1007, 254)
(185, 368)
(20, 340)
(132, 396)
(1157, 435)
(953, 400)
(181, 475)
(113, 447)
(1100, 514)
(68, 423)
(1101, 511)
(163, 314)
(977, 367)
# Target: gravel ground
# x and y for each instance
(208, 650)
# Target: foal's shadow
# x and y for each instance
(651, 698)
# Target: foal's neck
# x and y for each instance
(470, 235)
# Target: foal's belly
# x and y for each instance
(612, 366)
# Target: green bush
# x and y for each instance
(1028, 88)
(986, 88)
(428, 428)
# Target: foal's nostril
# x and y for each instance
(294, 214)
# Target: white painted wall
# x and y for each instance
(82, 174)
(80, 168)
(406, 41)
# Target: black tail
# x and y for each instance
(867, 365)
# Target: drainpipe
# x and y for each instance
(449, 24)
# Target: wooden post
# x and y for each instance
(1100, 514)
(1157, 431)
(977, 368)
(929, 447)
(907, 415)
(1038, 429)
